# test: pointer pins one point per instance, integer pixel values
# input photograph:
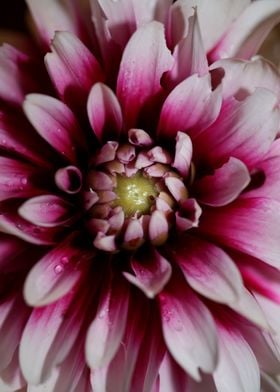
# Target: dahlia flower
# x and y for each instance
(140, 198)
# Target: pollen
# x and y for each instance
(135, 194)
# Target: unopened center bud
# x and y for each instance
(135, 194)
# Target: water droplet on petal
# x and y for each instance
(58, 269)
(65, 260)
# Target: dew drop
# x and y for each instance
(24, 180)
(65, 260)
(102, 313)
(58, 269)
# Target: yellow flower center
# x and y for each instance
(135, 194)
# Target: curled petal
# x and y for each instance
(69, 179)
(152, 271)
(224, 185)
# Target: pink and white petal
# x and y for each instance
(263, 347)
(139, 137)
(248, 307)
(225, 185)
(17, 136)
(249, 225)
(245, 36)
(69, 179)
(11, 378)
(46, 210)
(216, 16)
(106, 331)
(117, 376)
(150, 357)
(237, 368)
(171, 376)
(183, 154)
(271, 310)
(144, 61)
(49, 18)
(188, 329)
(12, 223)
(72, 68)
(191, 107)
(17, 179)
(244, 129)
(189, 55)
(207, 269)
(104, 112)
(56, 273)
(13, 316)
(268, 172)
(49, 336)
(242, 77)
(152, 271)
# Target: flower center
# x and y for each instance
(135, 194)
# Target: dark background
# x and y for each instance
(12, 14)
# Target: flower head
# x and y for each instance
(139, 195)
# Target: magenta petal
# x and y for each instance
(12, 223)
(55, 274)
(46, 210)
(9, 329)
(139, 75)
(72, 68)
(152, 271)
(249, 225)
(55, 122)
(48, 337)
(106, 331)
(224, 185)
(237, 364)
(188, 215)
(247, 33)
(17, 179)
(188, 329)
(190, 107)
(244, 129)
(150, 356)
(208, 269)
(104, 112)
